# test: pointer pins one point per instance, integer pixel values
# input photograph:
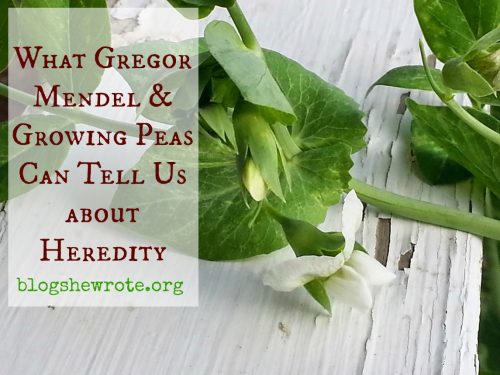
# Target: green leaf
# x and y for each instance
(141, 81)
(446, 30)
(433, 161)
(224, 91)
(249, 71)
(4, 158)
(216, 117)
(458, 75)
(329, 128)
(489, 326)
(206, 73)
(205, 7)
(325, 115)
(48, 158)
(4, 34)
(410, 77)
(45, 3)
(180, 5)
(489, 338)
(495, 112)
(60, 33)
(481, 15)
(451, 27)
(220, 3)
(318, 178)
(484, 43)
(62, 4)
(235, 233)
(317, 291)
(463, 145)
(493, 100)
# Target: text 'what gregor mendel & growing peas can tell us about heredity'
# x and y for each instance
(103, 174)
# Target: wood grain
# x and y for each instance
(426, 322)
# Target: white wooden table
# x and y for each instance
(426, 322)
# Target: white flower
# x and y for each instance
(253, 181)
(347, 276)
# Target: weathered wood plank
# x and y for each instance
(424, 323)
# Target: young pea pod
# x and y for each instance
(256, 140)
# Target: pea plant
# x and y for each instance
(275, 146)
(452, 142)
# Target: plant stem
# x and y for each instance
(427, 212)
(474, 123)
(246, 33)
(456, 108)
(72, 114)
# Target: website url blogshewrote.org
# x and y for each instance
(70, 285)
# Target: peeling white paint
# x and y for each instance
(424, 323)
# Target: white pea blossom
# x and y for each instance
(347, 276)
